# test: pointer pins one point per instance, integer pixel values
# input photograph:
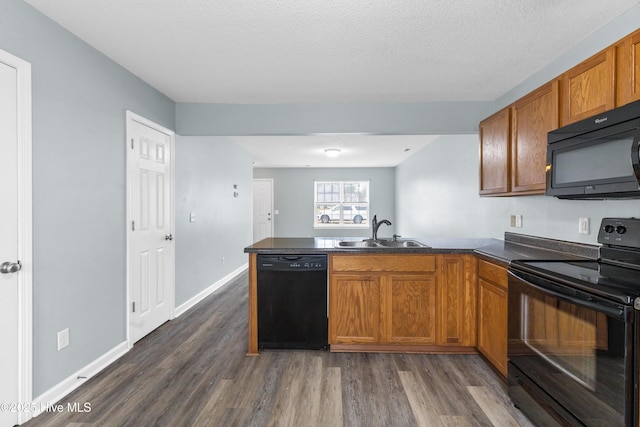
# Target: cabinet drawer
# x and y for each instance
(384, 262)
(493, 273)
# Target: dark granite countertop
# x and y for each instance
(514, 246)
(308, 245)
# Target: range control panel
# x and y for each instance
(620, 232)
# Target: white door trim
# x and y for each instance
(130, 118)
(25, 220)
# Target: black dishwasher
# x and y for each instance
(292, 302)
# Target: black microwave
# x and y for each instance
(596, 158)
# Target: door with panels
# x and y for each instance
(151, 251)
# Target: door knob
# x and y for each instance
(168, 237)
(10, 267)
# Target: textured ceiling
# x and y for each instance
(277, 51)
(298, 51)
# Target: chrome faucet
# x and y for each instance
(375, 224)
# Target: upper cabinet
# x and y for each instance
(494, 153)
(589, 87)
(513, 144)
(532, 117)
(513, 141)
(628, 69)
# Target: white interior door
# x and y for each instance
(151, 251)
(262, 209)
(15, 246)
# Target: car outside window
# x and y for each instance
(341, 204)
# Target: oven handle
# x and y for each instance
(609, 311)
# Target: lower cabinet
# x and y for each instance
(403, 300)
(492, 314)
(457, 306)
(354, 309)
(408, 309)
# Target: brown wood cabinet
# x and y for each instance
(355, 309)
(532, 117)
(589, 87)
(492, 314)
(628, 69)
(513, 140)
(408, 302)
(513, 144)
(375, 299)
(457, 286)
(494, 153)
(409, 309)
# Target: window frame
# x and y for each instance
(341, 223)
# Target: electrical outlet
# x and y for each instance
(513, 220)
(583, 225)
(63, 339)
(518, 221)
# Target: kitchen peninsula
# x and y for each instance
(405, 299)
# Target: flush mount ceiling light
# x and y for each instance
(332, 152)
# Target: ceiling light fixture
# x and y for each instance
(332, 152)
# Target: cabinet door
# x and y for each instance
(492, 324)
(589, 88)
(409, 308)
(532, 117)
(628, 69)
(494, 153)
(457, 300)
(354, 309)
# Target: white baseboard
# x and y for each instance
(66, 386)
(211, 289)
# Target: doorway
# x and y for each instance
(15, 245)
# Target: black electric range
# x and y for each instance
(574, 331)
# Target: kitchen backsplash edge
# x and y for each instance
(573, 248)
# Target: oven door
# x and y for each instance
(570, 354)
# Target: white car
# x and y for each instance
(355, 214)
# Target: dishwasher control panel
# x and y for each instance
(292, 262)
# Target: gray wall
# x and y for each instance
(437, 195)
(206, 170)
(79, 240)
(293, 198)
(302, 119)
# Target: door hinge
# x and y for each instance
(133, 226)
(132, 143)
(134, 306)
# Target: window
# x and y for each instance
(341, 204)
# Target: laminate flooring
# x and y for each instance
(193, 371)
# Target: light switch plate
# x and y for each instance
(192, 217)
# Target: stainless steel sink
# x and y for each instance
(357, 244)
(400, 244)
(369, 243)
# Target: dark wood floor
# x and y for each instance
(193, 371)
